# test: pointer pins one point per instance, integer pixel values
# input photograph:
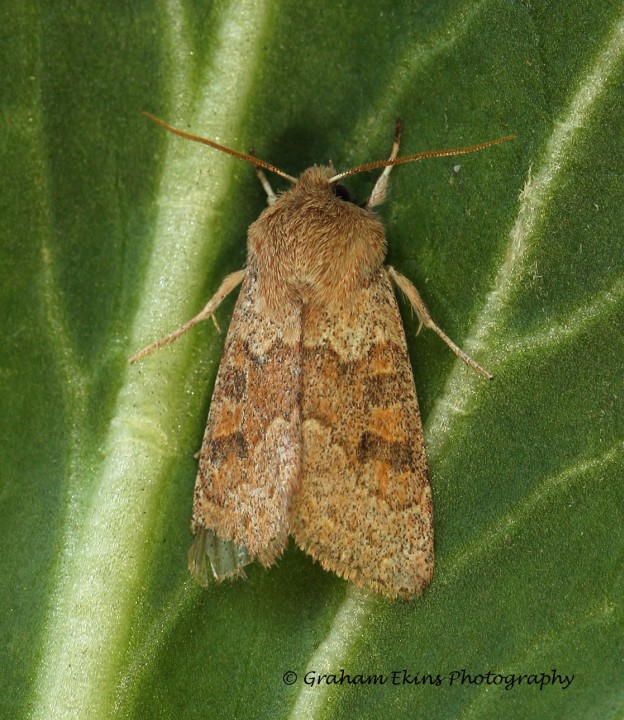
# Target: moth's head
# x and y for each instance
(317, 182)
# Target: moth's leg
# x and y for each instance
(378, 195)
(425, 319)
(229, 283)
(271, 196)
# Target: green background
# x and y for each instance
(113, 233)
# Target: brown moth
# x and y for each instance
(314, 429)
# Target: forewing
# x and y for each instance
(250, 457)
(364, 507)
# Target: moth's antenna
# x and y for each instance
(253, 160)
(420, 156)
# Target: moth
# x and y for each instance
(314, 429)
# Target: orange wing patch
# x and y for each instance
(250, 458)
(364, 506)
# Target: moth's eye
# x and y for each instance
(341, 192)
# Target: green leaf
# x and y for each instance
(114, 233)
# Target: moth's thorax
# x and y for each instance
(312, 246)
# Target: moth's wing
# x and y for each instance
(250, 457)
(212, 557)
(364, 506)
